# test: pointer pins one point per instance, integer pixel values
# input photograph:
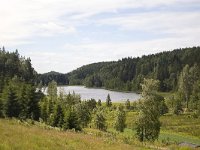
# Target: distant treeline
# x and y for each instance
(46, 78)
(128, 73)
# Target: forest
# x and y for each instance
(127, 74)
(177, 71)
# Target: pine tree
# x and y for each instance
(11, 106)
(120, 120)
(58, 116)
(52, 91)
(71, 121)
(83, 113)
(44, 106)
(99, 120)
(127, 104)
(108, 101)
(99, 103)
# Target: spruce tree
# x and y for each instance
(127, 104)
(108, 101)
(58, 116)
(71, 120)
(11, 106)
(120, 120)
(100, 120)
(99, 103)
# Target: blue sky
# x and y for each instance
(62, 35)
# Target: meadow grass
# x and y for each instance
(15, 135)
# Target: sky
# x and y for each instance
(62, 35)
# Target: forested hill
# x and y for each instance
(128, 73)
(45, 78)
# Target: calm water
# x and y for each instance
(88, 93)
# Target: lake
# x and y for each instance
(88, 93)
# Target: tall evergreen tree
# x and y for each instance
(58, 116)
(127, 104)
(100, 120)
(71, 120)
(52, 91)
(120, 120)
(83, 113)
(108, 101)
(99, 103)
(11, 106)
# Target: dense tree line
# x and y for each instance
(45, 78)
(18, 94)
(14, 65)
(128, 73)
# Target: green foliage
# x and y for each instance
(127, 104)
(148, 124)
(11, 102)
(57, 116)
(44, 109)
(46, 78)
(91, 104)
(71, 120)
(1, 108)
(52, 90)
(120, 120)
(83, 113)
(100, 120)
(99, 103)
(108, 101)
(13, 65)
(147, 127)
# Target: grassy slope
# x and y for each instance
(15, 135)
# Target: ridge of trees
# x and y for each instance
(127, 74)
(45, 78)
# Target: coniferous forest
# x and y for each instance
(177, 72)
(127, 74)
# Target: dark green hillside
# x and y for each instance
(127, 73)
(78, 76)
(45, 78)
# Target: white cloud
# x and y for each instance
(182, 23)
(23, 19)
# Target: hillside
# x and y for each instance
(23, 136)
(128, 73)
(45, 78)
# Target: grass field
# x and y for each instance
(22, 136)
